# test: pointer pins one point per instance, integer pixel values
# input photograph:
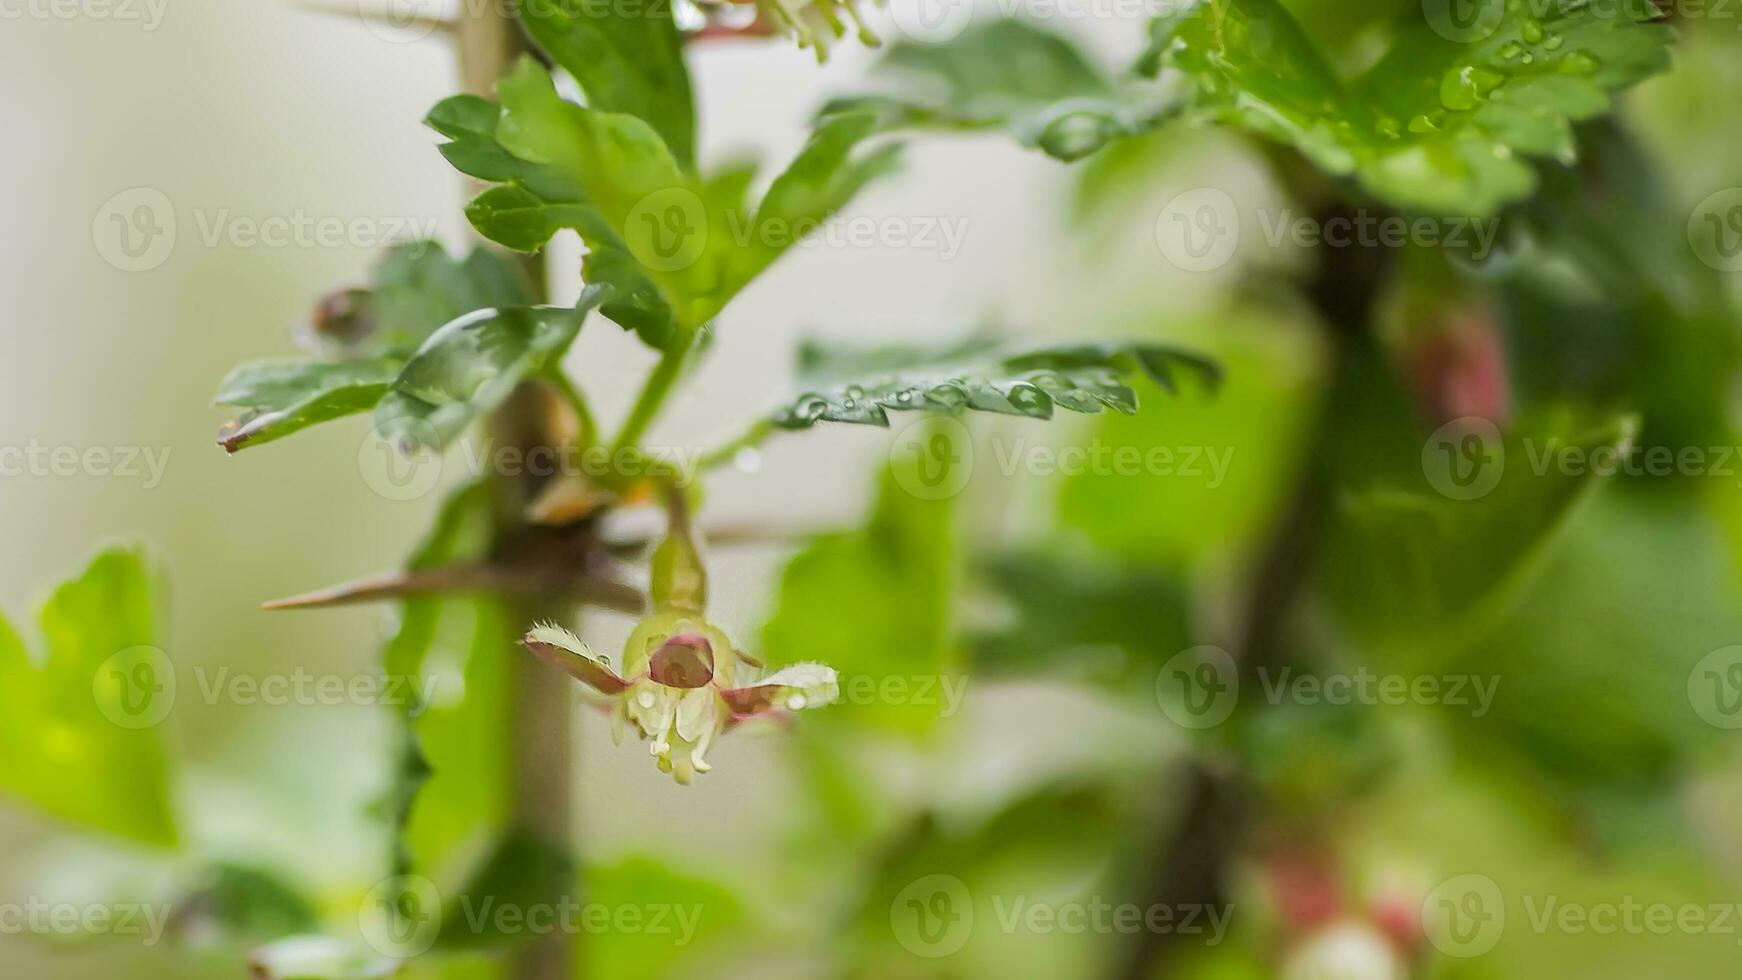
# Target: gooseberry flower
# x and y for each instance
(679, 678)
(814, 24)
(678, 685)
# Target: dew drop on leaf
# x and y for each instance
(1077, 134)
(1464, 88)
(1532, 31)
(1579, 63)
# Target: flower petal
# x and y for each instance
(565, 651)
(685, 662)
(792, 689)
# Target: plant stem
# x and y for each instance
(539, 730)
(1191, 859)
(654, 392)
(752, 437)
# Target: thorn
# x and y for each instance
(595, 590)
(417, 23)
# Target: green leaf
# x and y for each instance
(1437, 125)
(875, 603)
(521, 872)
(1598, 662)
(1084, 617)
(627, 60)
(416, 289)
(705, 916)
(286, 396)
(82, 734)
(245, 904)
(1082, 378)
(470, 367)
(1011, 74)
(672, 247)
(452, 781)
(827, 173)
(1425, 566)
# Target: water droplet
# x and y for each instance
(1421, 124)
(1511, 49)
(747, 460)
(811, 407)
(1075, 135)
(948, 396)
(1529, 59)
(1030, 400)
(1579, 63)
(1553, 42)
(1532, 31)
(1464, 88)
(796, 702)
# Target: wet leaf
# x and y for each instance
(1084, 378)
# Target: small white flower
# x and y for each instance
(679, 686)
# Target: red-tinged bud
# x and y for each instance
(1307, 890)
(1456, 365)
(1397, 914)
(344, 318)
